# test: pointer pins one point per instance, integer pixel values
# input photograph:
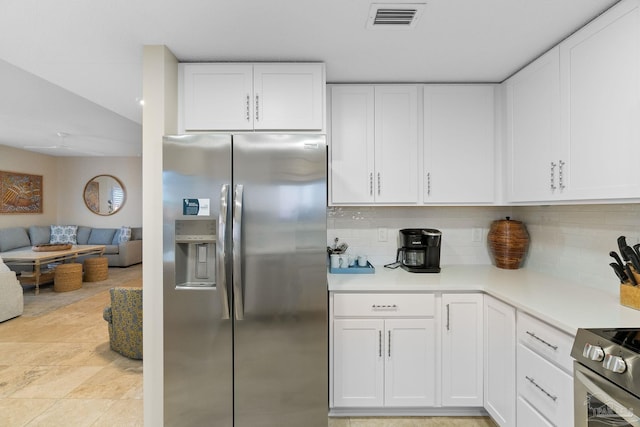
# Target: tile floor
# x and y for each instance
(57, 369)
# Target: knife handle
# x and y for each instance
(632, 278)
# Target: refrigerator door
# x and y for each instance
(198, 340)
(280, 302)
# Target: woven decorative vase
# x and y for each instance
(508, 242)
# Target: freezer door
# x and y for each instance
(280, 284)
(198, 341)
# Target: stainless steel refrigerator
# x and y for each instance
(245, 288)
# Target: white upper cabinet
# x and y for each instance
(533, 130)
(374, 144)
(218, 96)
(573, 127)
(458, 143)
(600, 80)
(230, 96)
(396, 159)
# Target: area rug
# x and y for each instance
(48, 300)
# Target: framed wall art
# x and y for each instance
(20, 193)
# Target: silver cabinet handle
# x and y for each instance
(379, 183)
(371, 184)
(555, 347)
(378, 306)
(248, 107)
(221, 252)
(428, 183)
(553, 176)
(379, 343)
(257, 108)
(561, 174)
(448, 324)
(389, 346)
(549, 395)
(237, 252)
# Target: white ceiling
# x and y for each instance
(93, 50)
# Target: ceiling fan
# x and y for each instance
(62, 146)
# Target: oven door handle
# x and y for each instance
(603, 396)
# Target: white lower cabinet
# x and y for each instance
(462, 350)
(500, 361)
(384, 361)
(529, 417)
(544, 372)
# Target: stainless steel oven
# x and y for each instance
(607, 377)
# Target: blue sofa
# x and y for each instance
(119, 254)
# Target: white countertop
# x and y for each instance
(564, 304)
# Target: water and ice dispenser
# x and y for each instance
(195, 253)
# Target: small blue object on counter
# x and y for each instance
(354, 269)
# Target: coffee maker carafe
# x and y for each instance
(419, 250)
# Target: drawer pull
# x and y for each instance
(555, 347)
(550, 396)
(378, 306)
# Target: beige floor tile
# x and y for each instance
(338, 422)
(72, 412)
(57, 382)
(14, 353)
(108, 383)
(18, 412)
(17, 377)
(123, 413)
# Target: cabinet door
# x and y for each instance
(462, 346)
(600, 77)
(458, 142)
(396, 144)
(218, 96)
(288, 96)
(358, 362)
(410, 362)
(352, 144)
(500, 361)
(533, 130)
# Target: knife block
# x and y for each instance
(630, 295)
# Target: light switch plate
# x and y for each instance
(382, 235)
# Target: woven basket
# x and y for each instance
(68, 277)
(96, 269)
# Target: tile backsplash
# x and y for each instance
(566, 241)
(359, 227)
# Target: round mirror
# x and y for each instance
(104, 194)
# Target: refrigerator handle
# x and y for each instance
(221, 251)
(237, 252)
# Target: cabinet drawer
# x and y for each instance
(545, 386)
(549, 342)
(529, 417)
(383, 305)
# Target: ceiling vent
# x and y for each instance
(394, 15)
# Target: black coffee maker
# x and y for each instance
(419, 250)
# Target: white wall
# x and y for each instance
(160, 92)
(16, 160)
(75, 172)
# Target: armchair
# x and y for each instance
(124, 317)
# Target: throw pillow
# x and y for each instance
(125, 234)
(64, 234)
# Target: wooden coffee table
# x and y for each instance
(38, 259)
